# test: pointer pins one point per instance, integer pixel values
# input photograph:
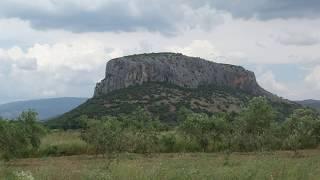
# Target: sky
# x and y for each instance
(59, 48)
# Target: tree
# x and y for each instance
(136, 132)
(33, 130)
(20, 138)
(301, 130)
(254, 126)
(143, 130)
(105, 135)
(204, 129)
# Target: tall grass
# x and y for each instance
(279, 165)
(58, 143)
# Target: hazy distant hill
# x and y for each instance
(47, 108)
(311, 103)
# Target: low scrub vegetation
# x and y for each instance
(63, 143)
(163, 100)
(255, 128)
(138, 146)
(21, 137)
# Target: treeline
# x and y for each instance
(255, 128)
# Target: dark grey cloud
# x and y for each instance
(266, 9)
(111, 16)
(163, 16)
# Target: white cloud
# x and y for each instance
(68, 68)
(62, 63)
(299, 39)
(198, 48)
(313, 78)
(166, 16)
(268, 81)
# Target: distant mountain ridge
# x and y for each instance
(46, 108)
(311, 103)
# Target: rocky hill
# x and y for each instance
(162, 83)
(177, 69)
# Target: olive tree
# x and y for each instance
(204, 129)
(254, 126)
(19, 138)
(302, 130)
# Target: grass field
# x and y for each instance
(59, 143)
(279, 165)
(268, 166)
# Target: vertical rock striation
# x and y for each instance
(177, 69)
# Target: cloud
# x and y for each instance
(299, 39)
(69, 68)
(197, 48)
(111, 15)
(13, 59)
(265, 9)
(268, 81)
(205, 49)
(313, 78)
(56, 42)
(166, 16)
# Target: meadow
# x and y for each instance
(258, 165)
(251, 145)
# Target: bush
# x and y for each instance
(136, 132)
(301, 130)
(20, 138)
(60, 143)
(168, 142)
(254, 127)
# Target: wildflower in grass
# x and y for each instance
(23, 175)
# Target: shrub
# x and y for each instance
(301, 130)
(20, 138)
(253, 127)
(168, 142)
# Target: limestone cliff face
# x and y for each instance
(176, 69)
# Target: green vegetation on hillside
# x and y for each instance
(254, 129)
(311, 103)
(163, 101)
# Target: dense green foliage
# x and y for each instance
(315, 104)
(20, 137)
(254, 129)
(136, 132)
(302, 130)
(163, 101)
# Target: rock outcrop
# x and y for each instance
(163, 83)
(177, 69)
